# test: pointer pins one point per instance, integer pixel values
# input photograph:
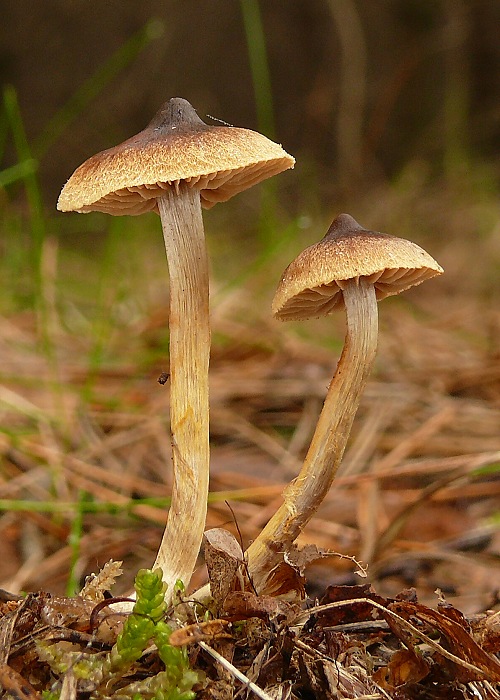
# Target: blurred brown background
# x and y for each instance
(359, 89)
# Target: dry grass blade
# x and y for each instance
(385, 538)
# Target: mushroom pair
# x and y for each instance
(175, 166)
(349, 268)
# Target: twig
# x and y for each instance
(234, 671)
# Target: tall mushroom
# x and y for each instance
(175, 166)
(349, 268)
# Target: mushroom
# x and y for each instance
(176, 165)
(349, 268)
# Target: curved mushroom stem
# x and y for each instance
(304, 494)
(180, 212)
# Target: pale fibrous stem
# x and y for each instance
(304, 494)
(180, 212)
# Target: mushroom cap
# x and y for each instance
(311, 285)
(176, 146)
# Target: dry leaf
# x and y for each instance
(358, 612)
(455, 638)
(405, 667)
(243, 605)
(67, 612)
(301, 557)
(223, 556)
(486, 631)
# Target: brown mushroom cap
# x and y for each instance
(311, 285)
(176, 146)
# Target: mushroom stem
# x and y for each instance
(304, 494)
(180, 212)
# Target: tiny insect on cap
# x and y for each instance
(311, 285)
(176, 146)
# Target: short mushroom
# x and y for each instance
(176, 165)
(349, 268)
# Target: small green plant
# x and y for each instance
(103, 676)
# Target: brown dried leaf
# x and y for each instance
(486, 631)
(358, 612)
(59, 611)
(287, 578)
(455, 638)
(405, 667)
(301, 557)
(243, 605)
(223, 556)
(286, 582)
(223, 541)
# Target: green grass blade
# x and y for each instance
(259, 65)
(74, 540)
(4, 129)
(33, 191)
(261, 79)
(19, 171)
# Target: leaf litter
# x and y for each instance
(416, 504)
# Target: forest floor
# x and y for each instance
(404, 599)
(85, 453)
